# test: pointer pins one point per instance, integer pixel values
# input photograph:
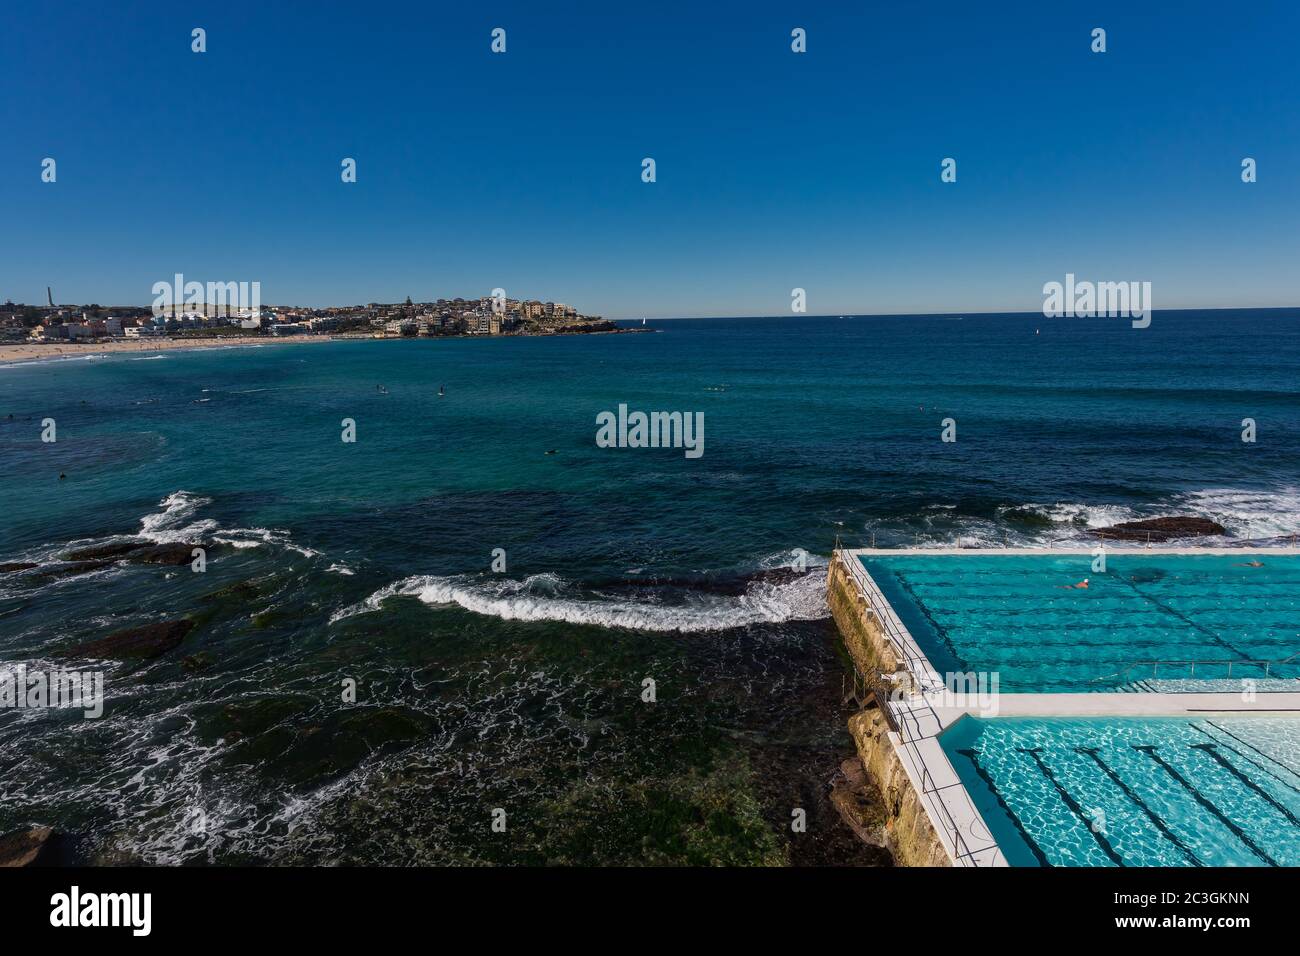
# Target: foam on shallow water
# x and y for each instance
(547, 597)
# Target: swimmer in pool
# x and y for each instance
(1250, 564)
(1082, 585)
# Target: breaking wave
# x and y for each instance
(547, 597)
(172, 524)
(1248, 514)
(1245, 514)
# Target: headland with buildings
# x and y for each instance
(52, 331)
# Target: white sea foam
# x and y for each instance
(547, 597)
(790, 559)
(172, 524)
(176, 523)
(56, 359)
(260, 537)
(237, 543)
(1087, 516)
(1246, 513)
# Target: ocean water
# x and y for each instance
(522, 690)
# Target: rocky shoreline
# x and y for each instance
(34, 846)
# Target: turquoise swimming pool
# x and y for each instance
(1019, 616)
(1134, 792)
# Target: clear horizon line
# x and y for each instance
(1038, 312)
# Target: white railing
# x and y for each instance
(1126, 672)
(914, 662)
(909, 729)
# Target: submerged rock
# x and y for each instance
(75, 567)
(146, 642)
(140, 550)
(101, 551)
(1160, 529)
(26, 847)
(165, 554)
(196, 662)
(240, 590)
(257, 716)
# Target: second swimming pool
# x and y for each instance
(1074, 791)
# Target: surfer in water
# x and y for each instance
(442, 390)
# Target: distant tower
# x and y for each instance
(49, 296)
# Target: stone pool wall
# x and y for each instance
(864, 638)
(908, 833)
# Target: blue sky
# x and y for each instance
(775, 170)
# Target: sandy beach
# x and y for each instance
(27, 352)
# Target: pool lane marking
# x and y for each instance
(1246, 781)
(1141, 804)
(1246, 757)
(939, 630)
(1073, 805)
(1246, 743)
(1034, 848)
(1150, 751)
(1218, 638)
(942, 633)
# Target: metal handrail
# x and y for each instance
(909, 729)
(915, 664)
(963, 852)
(930, 790)
(1155, 666)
